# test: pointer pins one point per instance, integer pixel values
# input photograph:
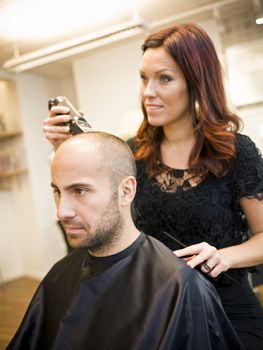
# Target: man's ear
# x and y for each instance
(127, 190)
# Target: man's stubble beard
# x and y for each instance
(107, 230)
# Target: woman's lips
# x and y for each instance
(150, 107)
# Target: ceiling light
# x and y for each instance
(74, 46)
(44, 19)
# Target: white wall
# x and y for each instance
(30, 240)
(245, 64)
(245, 85)
(107, 83)
(15, 205)
(253, 124)
(33, 106)
(10, 257)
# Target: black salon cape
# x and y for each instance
(143, 298)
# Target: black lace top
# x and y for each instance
(207, 209)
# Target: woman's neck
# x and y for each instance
(178, 136)
(176, 146)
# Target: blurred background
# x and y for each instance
(90, 51)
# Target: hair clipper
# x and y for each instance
(77, 123)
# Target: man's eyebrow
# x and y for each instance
(78, 184)
(74, 185)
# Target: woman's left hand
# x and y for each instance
(211, 260)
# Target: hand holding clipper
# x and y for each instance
(77, 123)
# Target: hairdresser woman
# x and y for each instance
(199, 180)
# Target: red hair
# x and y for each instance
(214, 149)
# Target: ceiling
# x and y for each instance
(85, 18)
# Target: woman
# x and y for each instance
(200, 182)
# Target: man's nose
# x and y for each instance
(65, 209)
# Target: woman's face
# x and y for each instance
(163, 89)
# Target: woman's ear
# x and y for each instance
(127, 190)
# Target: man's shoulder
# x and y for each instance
(165, 257)
(161, 255)
(159, 245)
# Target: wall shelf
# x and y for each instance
(8, 135)
(8, 174)
(10, 158)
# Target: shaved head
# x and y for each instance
(114, 155)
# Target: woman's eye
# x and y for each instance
(165, 78)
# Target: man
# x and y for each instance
(120, 289)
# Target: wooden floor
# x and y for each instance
(14, 299)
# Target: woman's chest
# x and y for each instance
(212, 199)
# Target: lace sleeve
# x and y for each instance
(248, 169)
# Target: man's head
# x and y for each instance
(93, 178)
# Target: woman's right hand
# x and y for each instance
(54, 132)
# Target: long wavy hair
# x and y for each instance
(215, 126)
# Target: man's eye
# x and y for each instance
(79, 191)
(165, 78)
(143, 77)
(56, 191)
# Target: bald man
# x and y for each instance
(120, 289)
